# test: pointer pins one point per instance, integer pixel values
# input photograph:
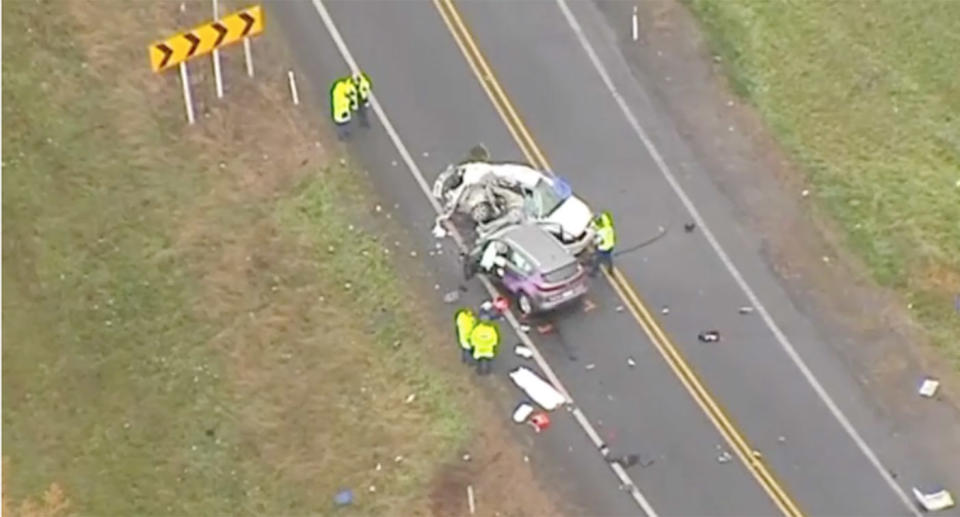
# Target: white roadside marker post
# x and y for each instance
(247, 56)
(293, 88)
(187, 99)
(217, 78)
(635, 23)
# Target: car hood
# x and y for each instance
(573, 216)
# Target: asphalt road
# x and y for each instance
(440, 110)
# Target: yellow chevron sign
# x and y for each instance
(205, 38)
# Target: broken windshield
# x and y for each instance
(544, 199)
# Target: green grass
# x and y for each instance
(177, 337)
(866, 97)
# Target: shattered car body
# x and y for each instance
(497, 195)
(530, 264)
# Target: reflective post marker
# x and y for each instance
(187, 99)
(217, 78)
(247, 56)
(293, 88)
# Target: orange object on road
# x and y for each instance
(540, 421)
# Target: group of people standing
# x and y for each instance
(349, 95)
(478, 336)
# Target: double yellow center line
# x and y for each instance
(668, 350)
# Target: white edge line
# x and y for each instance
(728, 263)
(585, 424)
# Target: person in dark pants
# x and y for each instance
(606, 240)
(465, 321)
(363, 87)
(485, 339)
(342, 94)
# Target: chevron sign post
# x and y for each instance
(202, 40)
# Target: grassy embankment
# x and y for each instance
(178, 333)
(866, 97)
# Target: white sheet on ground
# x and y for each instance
(537, 389)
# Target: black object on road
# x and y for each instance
(709, 336)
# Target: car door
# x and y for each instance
(517, 269)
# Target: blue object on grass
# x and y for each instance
(343, 497)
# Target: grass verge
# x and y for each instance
(179, 335)
(865, 97)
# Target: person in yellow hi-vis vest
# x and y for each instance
(361, 82)
(465, 321)
(606, 240)
(342, 95)
(485, 338)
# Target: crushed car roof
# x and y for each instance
(542, 248)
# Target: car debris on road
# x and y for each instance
(935, 500)
(928, 387)
(523, 351)
(709, 336)
(522, 412)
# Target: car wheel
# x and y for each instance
(525, 304)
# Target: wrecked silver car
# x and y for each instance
(496, 195)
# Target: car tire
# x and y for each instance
(525, 304)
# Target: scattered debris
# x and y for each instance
(588, 305)
(379, 467)
(398, 459)
(396, 344)
(426, 154)
(619, 308)
(590, 366)
(526, 459)
(521, 413)
(347, 285)
(781, 439)
(436, 287)
(543, 329)
(664, 310)
(630, 362)
(378, 208)
(539, 390)
(939, 499)
(746, 309)
(523, 351)
(466, 457)
(410, 398)
(343, 497)
(724, 457)
(470, 502)
(413, 253)
(826, 259)
(525, 328)
(805, 193)
(540, 421)
(393, 163)
(372, 489)
(709, 336)
(689, 227)
(629, 460)
(451, 296)
(929, 387)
